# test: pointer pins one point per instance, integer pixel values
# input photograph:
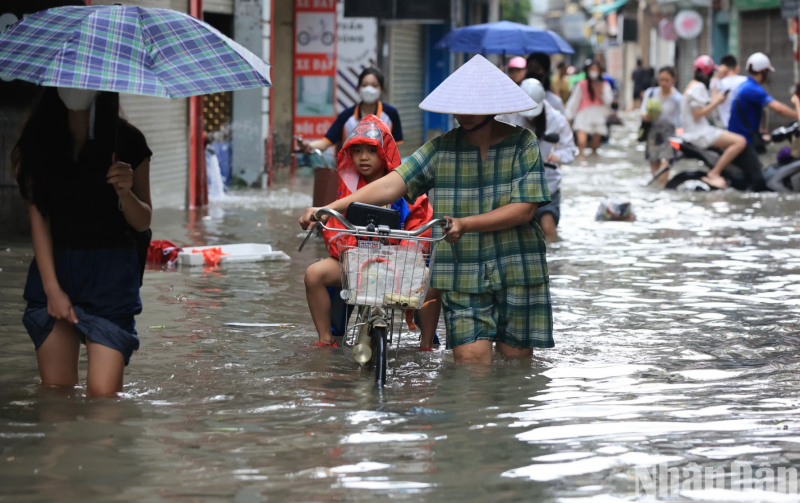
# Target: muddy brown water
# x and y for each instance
(677, 342)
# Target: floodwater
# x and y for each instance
(676, 342)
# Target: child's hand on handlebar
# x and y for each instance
(456, 229)
(308, 217)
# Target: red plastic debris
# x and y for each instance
(212, 256)
(162, 251)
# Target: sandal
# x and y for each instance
(321, 344)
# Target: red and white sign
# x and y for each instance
(688, 24)
(314, 67)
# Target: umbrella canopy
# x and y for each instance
(504, 37)
(126, 49)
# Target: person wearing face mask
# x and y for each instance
(370, 88)
(588, 108)
(696, 106)
(539, 69)
(84, 172)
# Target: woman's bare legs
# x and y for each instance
(58, 356)
(58, 362)
(106, 368)
(733, 145)
(596, 138)
(480, 351)
(583, 138)
(429, 317)
(318, 278)
(655, 166)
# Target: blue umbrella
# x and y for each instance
(153, 52)
(504, 37)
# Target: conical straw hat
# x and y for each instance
(478, 88)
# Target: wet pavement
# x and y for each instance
(676, 342)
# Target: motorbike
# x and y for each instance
(692, 180)
(784, 175)
(779, 177)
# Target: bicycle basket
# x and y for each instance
(378, 274)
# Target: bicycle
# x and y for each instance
(379, 277)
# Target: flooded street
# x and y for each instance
(676, 342)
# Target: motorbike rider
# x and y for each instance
(696, 105)
(727, 80)
(749, 102)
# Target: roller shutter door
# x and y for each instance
(165, 124)
(765, 31)
(407, 81)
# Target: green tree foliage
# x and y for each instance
(516, 10)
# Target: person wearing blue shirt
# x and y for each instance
(749, 101)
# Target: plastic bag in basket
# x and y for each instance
(389, 275)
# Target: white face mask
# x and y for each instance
(369, 94)
(77, 99)
(593, 75)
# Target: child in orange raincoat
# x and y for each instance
(368, 155)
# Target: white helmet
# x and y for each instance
(535, 90)
(759, 62)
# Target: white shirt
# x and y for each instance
(728, 84)
(564, 149)
(555, 101)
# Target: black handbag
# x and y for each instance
(757, 142)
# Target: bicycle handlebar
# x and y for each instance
(440, 222)
(363, 232)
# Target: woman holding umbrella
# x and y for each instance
(86, 198)
(85, 171)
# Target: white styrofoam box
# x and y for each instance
(242, 252)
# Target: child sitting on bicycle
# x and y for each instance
(369, 154)
(489, 181)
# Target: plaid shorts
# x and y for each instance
(517, 316)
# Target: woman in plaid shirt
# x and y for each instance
(489, 182)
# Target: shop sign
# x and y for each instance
(757, 4)
(314, 67)
(688, 24)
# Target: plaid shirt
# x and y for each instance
(466, 186)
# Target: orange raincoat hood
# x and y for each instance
(370, 131)
(373, 131)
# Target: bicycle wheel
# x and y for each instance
(379, 354)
